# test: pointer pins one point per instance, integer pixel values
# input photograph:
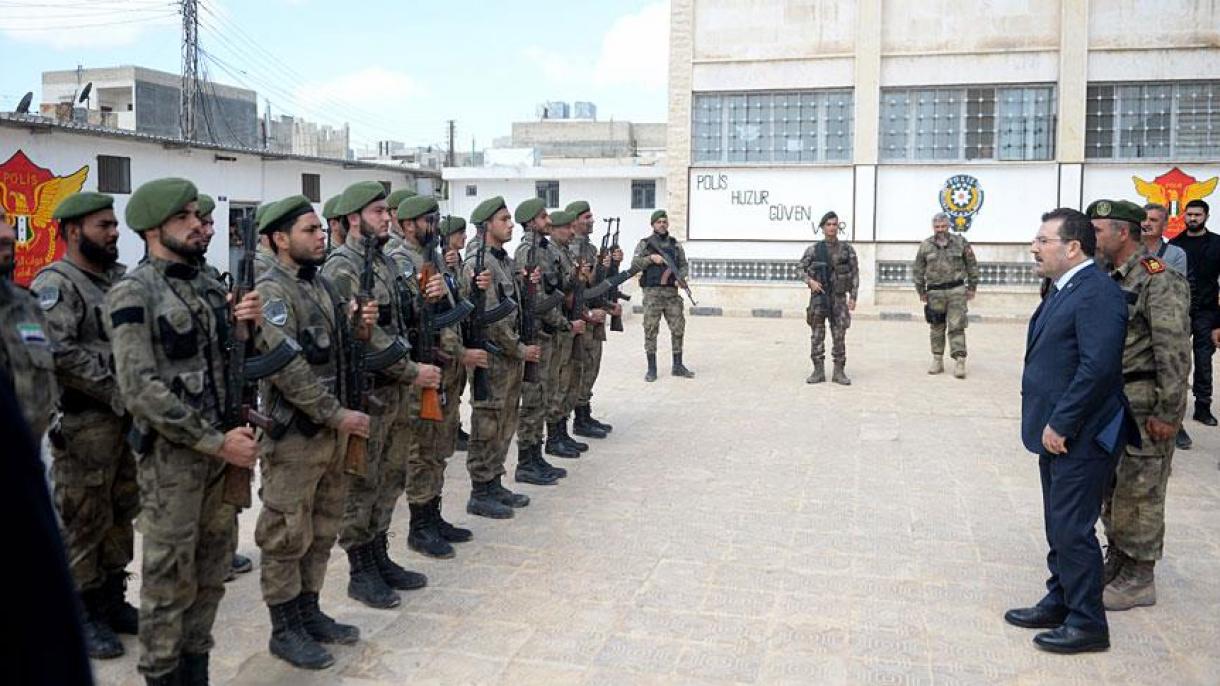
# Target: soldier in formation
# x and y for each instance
(26, 360)
(946, 276)
(832, 273)
(584, 423)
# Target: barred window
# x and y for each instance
(976, 123)
(1163, 120)
(643, 195)
(311, 187)
(548, 191)
(772, 126)
(113, 174)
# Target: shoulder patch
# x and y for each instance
(275, 312)
(1153, 265)
(32, 334)
(127, 315)
(48, 297)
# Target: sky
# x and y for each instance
(393, 70)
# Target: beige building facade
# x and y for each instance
(888, 111)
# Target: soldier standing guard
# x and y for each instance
(26, 361)
(303, 480)
(946, 276)
(661, 293)
(833, 276)
(585, 424)
(1156, 366)
(371, 497)
(167, 322)
(494, 419)
(93, 472)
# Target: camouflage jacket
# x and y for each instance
(503, 285)
(651, 275)
(26, 356)
(548, 259)
(844, 268)
(937, 264)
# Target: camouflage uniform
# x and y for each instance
(946, 274)
(589, 345)
(264, 260)
(167, 321)
(371, 498)
(25, 356)
(552, 324)
(303, 483)
(661, 295)
(1156, 368)
(844, 282)
(93, 472)
(565, 364)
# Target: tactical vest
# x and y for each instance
(651, 276)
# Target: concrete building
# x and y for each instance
(584, 110)
(296, 136)
(598, 140)
(888, 111)
(43, 160)
(149, 101)
(553, 109)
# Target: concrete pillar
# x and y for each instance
(678, 140)
(867, 122)
(1072, 89)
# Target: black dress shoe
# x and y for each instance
(1203, 415)
(1035, 617)
(1070, 640)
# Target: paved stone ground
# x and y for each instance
(745, 527)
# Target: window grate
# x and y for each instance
(1153, 121)
(889, 273)
(113, 174)
(977, 123)
(1003, 274)
(643, 195)
(772, 126)
(311, 187)
(549, 192)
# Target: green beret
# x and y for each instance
(156, 201)
(529, 209)
(451, 225)
(283, 212)
(260, 211)
(328, 210)
(487, 209)
(659, 214)
(562, 218)
(206, 204)
(578, 207)
(1123, 210)
(395, 199)
(81, 204)
(358, 196)
(417, 206)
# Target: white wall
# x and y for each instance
(767, 204)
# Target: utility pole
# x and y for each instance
(190, 68)
(449, 155)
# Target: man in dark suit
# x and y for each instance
(1073, 416)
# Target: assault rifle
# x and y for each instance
(616, 321)
(425, 342)
(670, 268)
(529, 298)
(610, 278)
(476, 328)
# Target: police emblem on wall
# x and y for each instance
(961, 198)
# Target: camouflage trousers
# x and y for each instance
(371, 498)
(951, 304)
(658, 301)
(591, 362)
(575, 375)
(94, 477)
(534, 397)
(1133, 514)
(188, 542)
(423, 438)
(493, 421)
(559, 379)
(303, 489)
(840, 320)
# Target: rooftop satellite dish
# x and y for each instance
(84, 94)
(23, 107)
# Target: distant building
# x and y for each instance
(584, 110)
(300, 137)
(149, 101)
(580, 138)
(554, 109)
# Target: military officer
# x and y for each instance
(427, 446)
(303, 480)
(371, 497)
(565, 364)
(25, 343)
(946, 276)
(832, 273)
(1156, 369)
(1153, 229)
(166, 321)
(661, 292)
(93, 472)
(592, 343)
(494, 418)
(536, 252)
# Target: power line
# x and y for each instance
(62, 27)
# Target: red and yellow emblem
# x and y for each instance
(1153, 265)
(1174, 189)
(30, 194)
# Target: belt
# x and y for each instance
(73, 401)
(1132, 377)
(946, 286)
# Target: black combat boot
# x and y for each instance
(840, 376)
(291, 643)
(567, 437)
(240, 565)
(394, 575)
(170, 679)
(365, 583)
(484, 504)
(555, 445)
(581, 426)
(819, 372)
(588, 410)
(557, 472)
(680, 369)
(193, 669)
(505, 496)
(453, 534)
(100, 639)
(121, 615)
(322, 627)
(1203, 414)
(531, 471)
(463, 439)
(651, 374)
(424, 536)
